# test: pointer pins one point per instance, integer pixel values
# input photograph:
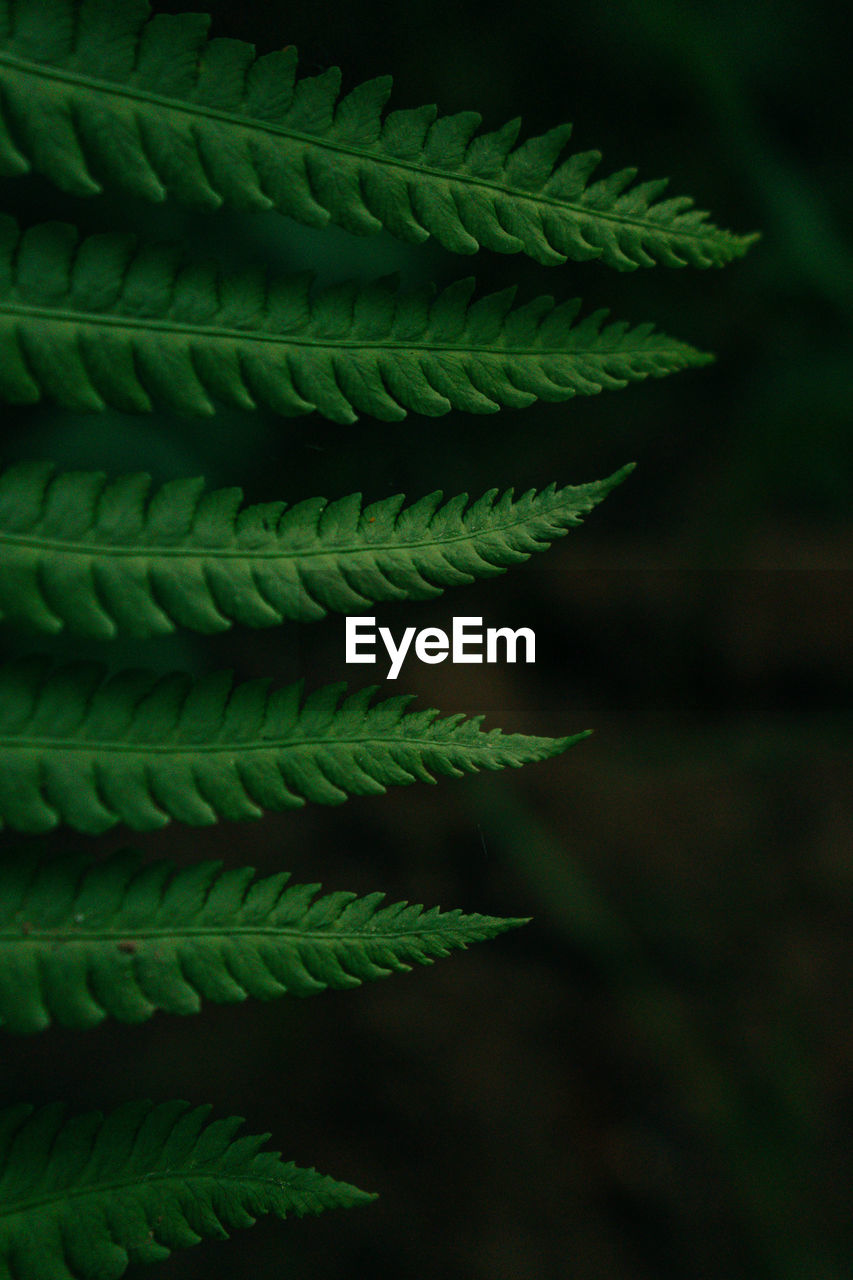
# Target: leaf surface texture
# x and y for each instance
(83, 1197)
(90, 750)
(96, 94)
(108, 557)
(83, 940)
(97, 322)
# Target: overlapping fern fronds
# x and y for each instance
(81, 940)
(107, 557)
(96, 93)
(91, 750)
(83, 1197)
(96, 322)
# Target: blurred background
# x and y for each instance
(652, 1080)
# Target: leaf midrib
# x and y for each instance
(190, 551)
(69, 937)
(8, 1210)
(186, 329)
(94, 84)
(27, 743)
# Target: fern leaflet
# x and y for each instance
(91, 751)
(95, 95)
(107, 557)
(82, 1198)
(94, 323)
(83, 940)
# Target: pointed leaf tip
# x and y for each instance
(135, 937)
(202, 561)
(250, 133)
(84, 1197)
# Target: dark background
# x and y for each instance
(650, 1081)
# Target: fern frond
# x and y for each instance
(105, 557)
(95, 95)
(96, 322)
(89, 750)
(83, 940)
(83, 1198)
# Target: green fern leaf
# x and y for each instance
(83, 1198)
(94, 95)
(83, 940)
(91, 751)
(106, 557)
(95, 322)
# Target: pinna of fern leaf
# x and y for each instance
(108, 557)
(100, 321)
(82, 939)
(83, 1197)
(97, 95)
(90, 750)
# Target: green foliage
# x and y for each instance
(106, 557)
(121, 939)
(97, 94)
(100, 96)
(93, 750)
(95, 322)
(81, 1198)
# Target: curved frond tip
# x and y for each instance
(94, 322)
(108, 557)
(96, 94)
(82, 748)
(82, 1198)
(82, 940)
